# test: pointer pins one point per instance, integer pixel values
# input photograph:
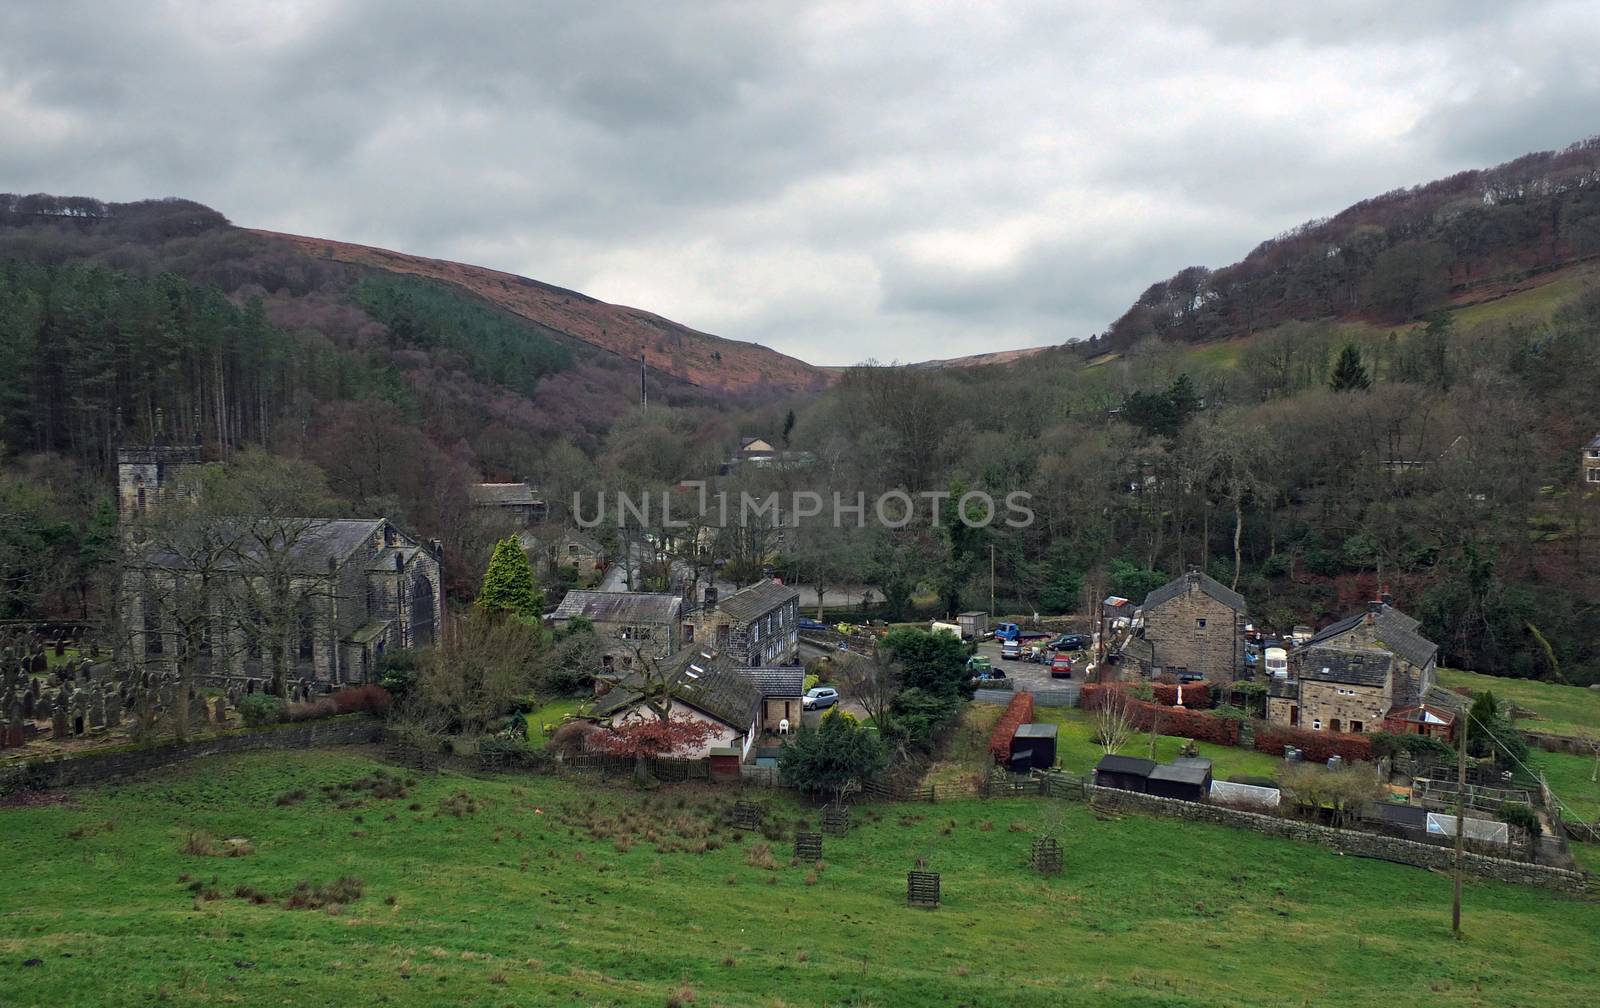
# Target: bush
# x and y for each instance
(310, 710)
(1018, 712)
(258, 709)
(1175, 721)
(1317, 746)
(369, 698)
(1389, 745)
(1521, 816)
(1196, 695)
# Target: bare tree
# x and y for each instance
(874, 681)
(1113, 720)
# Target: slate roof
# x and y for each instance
(619, 607)
(702, 678)
(1594, 442)
(752, 603)
(1395, 630)
(1113, 763)
(243, 541)
(502, 495)
(777, 682)
(1352, 666)
(1180, 585)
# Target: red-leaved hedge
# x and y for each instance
(1317, 746)
(1018, 712)
(1196, 695)
(373, 699)
(1176, 721)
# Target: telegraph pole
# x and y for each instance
(1461, 821)
(991, 581)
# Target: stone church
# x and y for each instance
(320, 599)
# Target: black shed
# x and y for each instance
(1189, 779)
(1033, 747)
(1127, 773)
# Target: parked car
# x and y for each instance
(818, 697)
(1060, 667)
(1070, 642)
(1037, 655)
(811, 624)
(977, 665)
(1010, 650)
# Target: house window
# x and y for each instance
(1355, 726)
(1333, 725)
(688, 633)
(1200, 622)
(1594, 477)
(1294, 716)
(1316, 724)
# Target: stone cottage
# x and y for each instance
(1337, 689)
(516, 505)
(1193, 626)
(642, 621)
(758, 625)
(311, 598)
(1386, 628)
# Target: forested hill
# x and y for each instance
(696, 357)
(1392, 258)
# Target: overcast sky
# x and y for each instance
(839, 180)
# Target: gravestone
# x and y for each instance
(28, 704)
(113, 708)
(80, 711)
(44, 710)
(14, 733)
(96, 708)
(221, 710)
(60, 711)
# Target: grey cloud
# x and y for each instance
(835, 180)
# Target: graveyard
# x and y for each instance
(334, 877)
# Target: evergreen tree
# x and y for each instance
(508, 585)
(833, 758)
(1349, 373)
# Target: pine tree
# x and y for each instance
(508, 585)
(1349, 373)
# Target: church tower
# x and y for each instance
(149, 474)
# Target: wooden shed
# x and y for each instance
(1188, 779)
(1127, 773)
(1033, 747)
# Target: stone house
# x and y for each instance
(1591, 462)
(782, 689)
(516, 504)
(579, 552)
(1193, 625)
(1385, 628)
(758, 625)
(705, 686)
(318, 598)
(1337, 689)
(646, 621)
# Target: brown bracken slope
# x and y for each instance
(699, 358)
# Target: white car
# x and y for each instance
(819, 696)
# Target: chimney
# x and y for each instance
(436, 548)
(711, 596)
(1386, 598)
(1193, 577)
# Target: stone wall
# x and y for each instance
(1372, 845)
(1321, 701)
(92, 768)
(1215, 650)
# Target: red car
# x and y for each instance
(1060, 667)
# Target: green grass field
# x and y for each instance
(1568, 776)
(1559, 710)
(548, 892)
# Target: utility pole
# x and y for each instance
(991, 581)
(1461, 821)
(644, 398)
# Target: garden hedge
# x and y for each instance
(1017, 713)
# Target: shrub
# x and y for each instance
(258, 709)
(1385, 744)
(1196, 695)
(369, 698)
(1176, 721)
(1519, 815)
(1317, 746)
(310, 710)
(1018, 712)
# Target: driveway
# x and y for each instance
(1027, 675)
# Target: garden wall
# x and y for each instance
(92, 768)
(1384, 848)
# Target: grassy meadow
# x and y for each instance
(1557, 709)
(537, 891)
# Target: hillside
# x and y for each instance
(695, 357)
(1391, 259)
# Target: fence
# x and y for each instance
(661, 768)
(1064, 696)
